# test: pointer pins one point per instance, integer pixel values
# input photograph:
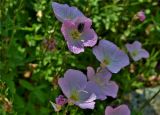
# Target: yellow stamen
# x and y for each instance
(104, 63)
(134, 53)
(74, 96)
(75, 34)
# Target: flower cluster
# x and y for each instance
(80, 89)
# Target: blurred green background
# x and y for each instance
(34, 54)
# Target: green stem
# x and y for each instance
(14, 19)
(58, 113)
(66, 109)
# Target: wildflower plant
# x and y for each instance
(82, 90)
(78, 57)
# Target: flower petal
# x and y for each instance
(66, 28)
(89, 37)
(137, 44)
(104, 49)
(64, 12)
(141, 54)
(73, 80)
(120, 110)
(84, 20)
(132, 47)
(100, 85)
(86, 100)
(103, 74)
(111, 89)
(90, 72)
(99, 52)
(108, 45)
(90, 105)
(86, 96)
(92, 87)
(75, 47)
(144, 53)
(118, 61)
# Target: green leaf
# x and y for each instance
(26, 85)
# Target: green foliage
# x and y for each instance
(29, 71)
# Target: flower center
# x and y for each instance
(98, 81)
(134, 53)
(74, 95)
(104, 63)
(75, 34)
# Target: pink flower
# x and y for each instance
(141, 16)
(79, 34)
(60, 100)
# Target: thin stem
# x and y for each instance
(66, 109)
(14, 19)
(57, 112)
(54, 28)
(148, 101)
